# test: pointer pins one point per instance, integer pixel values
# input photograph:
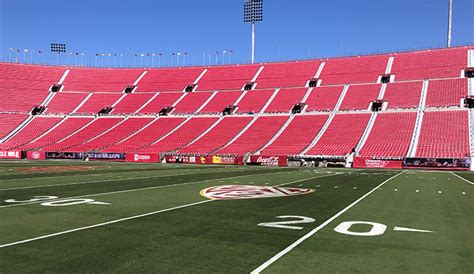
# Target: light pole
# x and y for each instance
(450, 21)
(58, 48)
(253, 12)
(11, 55)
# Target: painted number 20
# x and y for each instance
(289, 224)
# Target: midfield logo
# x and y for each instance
(233, 192)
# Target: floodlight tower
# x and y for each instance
(253, 12)
(58, 48)
(450, 21)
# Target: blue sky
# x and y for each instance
(292, 29)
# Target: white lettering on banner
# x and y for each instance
(15, 154)
(269, 161)
(376, 163)
(139, 157)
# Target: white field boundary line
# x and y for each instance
(462, 178)
(103, 224)
(141, 215)
(145, 188)
(315, 230)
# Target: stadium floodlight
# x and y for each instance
(450, 21)
(253, 12)
(58, 48)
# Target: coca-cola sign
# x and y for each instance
(268, 160)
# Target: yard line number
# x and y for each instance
(375, 229)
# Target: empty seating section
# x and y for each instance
(294, 74)
(105, 80)
(98, 126)
(64, 129)
(174, 79)
(220, 101)
(9, 122)
(390, 135)
(286, 99)
(192, 102)
(256, 136)
(182, 136)
(97, 102)
(66, 103)
(31, 131)
(220, 135)
(403, 95)
(444, 134)
(430, 64)
(323, 98)
(196, 125)
(147, 135)
(25, 86)
(227, 78)
(132, 102)
(114, 135)
(342, 135)
(354, 70)
(445, 93)
(29, 77)
(359, 97)
(254, 100)
(159, 102)
(297, 136)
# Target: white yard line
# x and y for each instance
(315, 230)
(103, 224)
(462, 178)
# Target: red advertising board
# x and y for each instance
(142, 157)
(15, 154)
(367, 162)
(209, 160)
(35, 155)
(269, 160)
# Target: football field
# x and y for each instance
(116, 217)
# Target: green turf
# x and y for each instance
(224, 236)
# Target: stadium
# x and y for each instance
(151, 162)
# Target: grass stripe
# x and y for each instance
(315, 230)
(462, 178)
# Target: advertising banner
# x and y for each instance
(64, 155)
(106, 156)
(15, 154)
(142, 158)
(35, 155)
(368, 162)
(438, 163)
(209, 160)
(268, 160)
